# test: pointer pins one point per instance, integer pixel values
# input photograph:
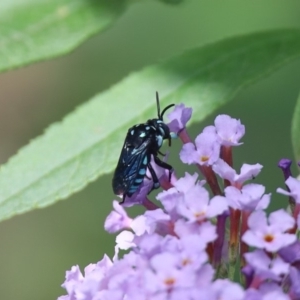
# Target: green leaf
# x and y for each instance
(296, 130)
(87, 142)
(33, 30)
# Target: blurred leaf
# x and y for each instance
(172, 1)
(87, 142)
(33, 30)
(296, 130)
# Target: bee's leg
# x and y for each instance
(164, 165)
(123, 200)
(154, 177)
(163, 154)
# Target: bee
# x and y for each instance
(142, 141)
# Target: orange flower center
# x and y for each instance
(204, 158)
(169, 281)
(199, 214)
(185, 262)
(269, 238)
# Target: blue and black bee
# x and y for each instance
(142, 141)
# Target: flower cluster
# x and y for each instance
(195, 246)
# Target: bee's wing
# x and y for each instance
(132, 160)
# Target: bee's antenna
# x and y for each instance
(160, 116)
(158, 106)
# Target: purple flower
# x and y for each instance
(205, 276)
(206, 151)
(295, 279)
(226, 172)
(192, 294)
(294, 186)
(165, 275)
(152, 221)
(264, 267)
(117, 219)
(206, 231)
(291, 253)
(73, 279)
(87, 286)
(267, 291)
(248, 272)
(228, 130)
(285, 165)
(179, 117)
(195, 205)
(226, 289)
(253, 294)
(269, 236)
(171, 252)
(271, 291)
(250, 197)
(184, 184)
(124, 241)
(171, 198)
(191, 250)
(149, 245)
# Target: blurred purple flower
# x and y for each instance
(295, 280)
(206, 231)
(165, 274)
(264, 267)
(117, 219)
(192, 251)
(253, 294)
(87, 286)
(291, 253)
(225, 289)
(125, 240)
(267, 291)
(271, 291)
(152, 221)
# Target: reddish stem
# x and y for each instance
(218, 244)
(148, 204)
(211, 179)
(226, 155)
(295, 215)
(244, 228)
(255, 282)
(235, 216)
(184, 136)
(210, 251)
(165, 183)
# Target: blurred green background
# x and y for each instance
(38, 247)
